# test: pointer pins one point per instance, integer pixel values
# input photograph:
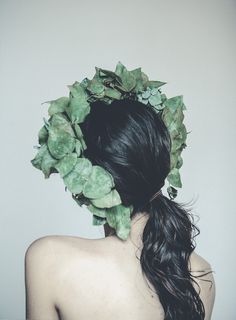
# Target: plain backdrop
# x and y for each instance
(47, 45)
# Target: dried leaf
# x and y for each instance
(76, 179)
(99, 183)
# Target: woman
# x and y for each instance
(156, 273)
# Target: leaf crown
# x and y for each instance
(61, 142)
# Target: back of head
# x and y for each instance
(131, 141)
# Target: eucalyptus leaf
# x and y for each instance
(78, 91)
(127, 77)
(154, 91)
(46, 123)
(163, 97)
(174, 102)
(78, 131)
(97, 221)
(36, 162)
(112, 93)
(84, 83)
(48, 164)
(118, 217)
(111, 74)
(58, 105)
(146, 94)
(60, 121)
(99, 183)
(60, 142)
(145, 80)
(66, 164)
(83, 144)
(43, 135)
(167, 116)
(137, 73)
(78, 110)
(159, 107)
(100, 212)
(44, 161)
(109, 200)
(78, 147)
(76, 179)
(95, 87)
(145, 101)
(174, 178)
(155, 99)
(179, 162)
(155, 84)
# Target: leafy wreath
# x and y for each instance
(61, 142)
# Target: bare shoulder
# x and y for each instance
(65, 257)
(53, 248)
(76, 269)
(202, 272)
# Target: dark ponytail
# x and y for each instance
(131, 141)
(167, 245)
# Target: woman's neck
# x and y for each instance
(138, 223)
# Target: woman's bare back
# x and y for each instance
(102, 279)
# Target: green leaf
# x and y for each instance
(66, 164)
(48, 164)
(97, 221)
(44, 161)
(163, 97)
(155, 84)
(95, 87)
(159, 107)
(36, 162)
(99, 183)
(127, 77)
(109, 200)
(78, 131)
(60, 142)
(78, 148)
(145, 80)
(57, 106)
(84, 83)
(97, 211)
(173, 159)
(76, 179)
(139, 79)
(60, 122)
(118, 217)
(78, 110)
(128, 80)
(167, 116)
(83, 144)
(174, 102)
(174, 178)
(112, 93)
(107, 73)
(146, 94)
(77, 91)
(43, 135)
(180, 162)
(155, 99)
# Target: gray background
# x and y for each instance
(47, 45)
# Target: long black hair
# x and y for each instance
(131, 141)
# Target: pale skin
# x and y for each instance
(72, 278)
